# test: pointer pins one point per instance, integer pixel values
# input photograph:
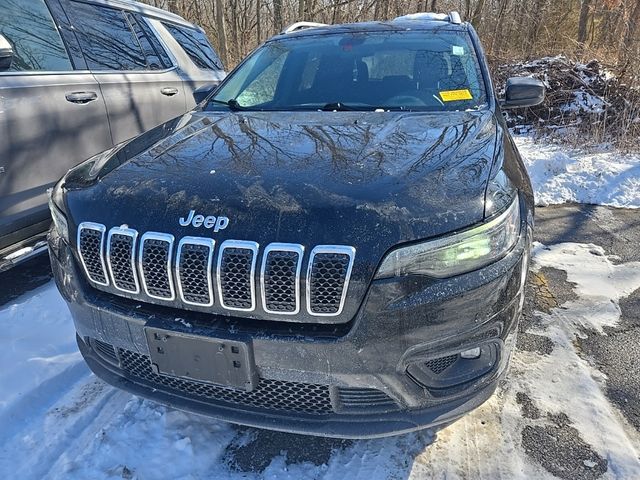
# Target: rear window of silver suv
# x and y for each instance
(196, 45)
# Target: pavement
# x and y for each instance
(617, 353)
(549, 439)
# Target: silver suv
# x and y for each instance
(76, 78)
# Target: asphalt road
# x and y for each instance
(556, 445)
(616, 353)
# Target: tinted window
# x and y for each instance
(433, 71)
(157, 57)
(196, 45)
(107, 41)
(28, 26)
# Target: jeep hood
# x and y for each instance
(347, 178)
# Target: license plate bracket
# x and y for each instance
(217, 361)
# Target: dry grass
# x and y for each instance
(587, 105)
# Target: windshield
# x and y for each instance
(419, 70)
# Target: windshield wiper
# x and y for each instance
(341, 107)
(231, 103)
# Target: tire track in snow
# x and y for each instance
(32, 405)
(59, 427)
(107, 406)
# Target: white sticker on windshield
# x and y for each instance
(457, 50)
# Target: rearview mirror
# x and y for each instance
(523, 92)
(203, 92)
(6, 54)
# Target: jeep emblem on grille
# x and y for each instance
(217, 223)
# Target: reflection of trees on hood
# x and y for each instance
(354, 150)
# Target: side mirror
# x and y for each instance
(523, 92)
(6, 54)
(199, 94)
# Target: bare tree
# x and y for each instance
(277, 15)
(631, 35)
(222, 36)
(582, 23)
(607, 29)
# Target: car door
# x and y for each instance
(140, 86)
(52, 115)
(198, 61)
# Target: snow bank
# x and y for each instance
(560, 175)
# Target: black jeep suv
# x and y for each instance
(335, 242)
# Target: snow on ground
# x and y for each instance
(61, 422)
(38, 341)
(560, 175)
(577, 389)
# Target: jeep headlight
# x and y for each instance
(458, 253)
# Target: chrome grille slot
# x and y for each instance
(236, 268)
(155, 261)
(280, 278)
(121, 244)
(91, 249)
(328, 279)
(193, 270)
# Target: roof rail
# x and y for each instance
(454, 17)
(451, 17)
(301, 26)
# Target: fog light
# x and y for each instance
(440, 373)
(471, 354)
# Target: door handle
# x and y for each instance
(169, 91)
(81, 97)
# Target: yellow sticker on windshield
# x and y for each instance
(454, 95)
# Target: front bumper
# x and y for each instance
(363, 426)
(402, 326)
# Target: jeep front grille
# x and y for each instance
(150, 265)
